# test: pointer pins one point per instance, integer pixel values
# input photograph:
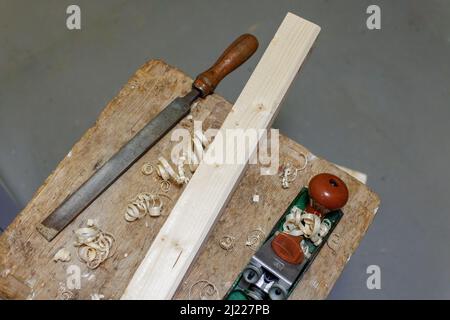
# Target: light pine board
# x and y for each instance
(26, 266)
(206, 195)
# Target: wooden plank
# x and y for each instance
(26, 266)
(204, 198)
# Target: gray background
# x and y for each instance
(375, 101)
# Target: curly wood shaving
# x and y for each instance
(301, 223)
(62, 255)
(145, 203)
(167, 168)
(147, 169)
(165, 186)
(227, 243)
(206, 291)
(182, 179)
(94, 245)
(162, 172)
(305, 249)
(254, 239)
(192, 157)
(199, 143)
(166, 172)
(289, 172)
(64, 293)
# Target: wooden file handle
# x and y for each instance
(236, 54)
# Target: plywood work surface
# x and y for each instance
(26, 266)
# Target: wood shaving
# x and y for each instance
(91, 222)
(305, 249)
(94, 245)
(193, 161)
(162, 172)
(165, 165)
(182, 179)
(147, 169)
(165, 186)
(289, 173)
(5, 273)
(62, 255)
(64, 293)
(193, 157)
(145, 203)
(199, 144)
(227, 243)
(301, 223)
(67, 295)
(166, 172)
(97, 296)
(207, 291)
(254, 239)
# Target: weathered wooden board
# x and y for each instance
(26, 266)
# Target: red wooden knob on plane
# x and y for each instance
(327, 192)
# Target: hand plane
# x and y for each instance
(278, 265)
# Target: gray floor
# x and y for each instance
(376, 101)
